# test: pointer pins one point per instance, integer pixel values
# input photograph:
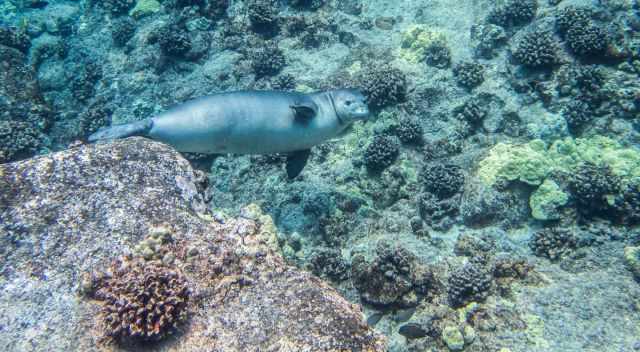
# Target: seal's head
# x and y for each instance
(350, 105)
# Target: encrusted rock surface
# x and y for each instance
(69, 214)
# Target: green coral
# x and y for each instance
(525, 162)
(145, 8)
(546, 200)
(533, 162)
(416, 41)
(151, 247)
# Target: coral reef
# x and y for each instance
(473, 111)
(263, 15)
(173, 40)
(590, 40)
(18, 140)
(330, 263)
(381, 152)
(116, 7)
(488, 123)
(97, 115)
(24, 115)
(383, 85)
(533, 162)
(593, 188)
(267, 60)
(577, 114)
(572, 16)
(537, 49)
(122, 30)
(439, 214)
(307, 4)
(514, 13)
(83, 86)
(546, 201)
(553, 243)
(409, 131)
(443, 180)
(469, 74)
(583, 36)
(143, 301)
(420, 43)
(489, 38)
(232, 261)
(468, 283)
(15, 38)
(627, 206)
(392, 278)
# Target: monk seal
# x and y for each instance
(251, 122)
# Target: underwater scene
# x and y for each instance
(320, 175)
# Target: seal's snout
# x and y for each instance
(351, 105)
(361, 112)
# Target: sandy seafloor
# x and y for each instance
(586, 299)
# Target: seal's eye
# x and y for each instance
(348, 102)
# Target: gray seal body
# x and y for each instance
(250, 122)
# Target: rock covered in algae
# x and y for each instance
(71, 213)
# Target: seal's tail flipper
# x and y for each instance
(138, 128)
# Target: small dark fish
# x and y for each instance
(374, 318)
(412, 331)
(403, 315)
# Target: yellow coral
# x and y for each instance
(417, 39)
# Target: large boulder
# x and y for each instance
(66, 215)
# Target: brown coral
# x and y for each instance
(143, 301)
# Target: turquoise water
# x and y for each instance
(488, 201)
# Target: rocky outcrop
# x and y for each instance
(68, 215)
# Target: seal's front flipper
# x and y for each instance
(296, 162)
(304, 109)
(138, 128)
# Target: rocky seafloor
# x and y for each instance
(491, 203)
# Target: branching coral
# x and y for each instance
(409, 131)
(537, 49)
(593, 187)
(469, 74)
(443, 180)
(381, 153)
(383, 85)
(174, 40)
(553, 243)
(267, 60)
(263, 15)
(471, 282)
(142, 301)
(582, 35)
(18, 139)
(514, 13)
